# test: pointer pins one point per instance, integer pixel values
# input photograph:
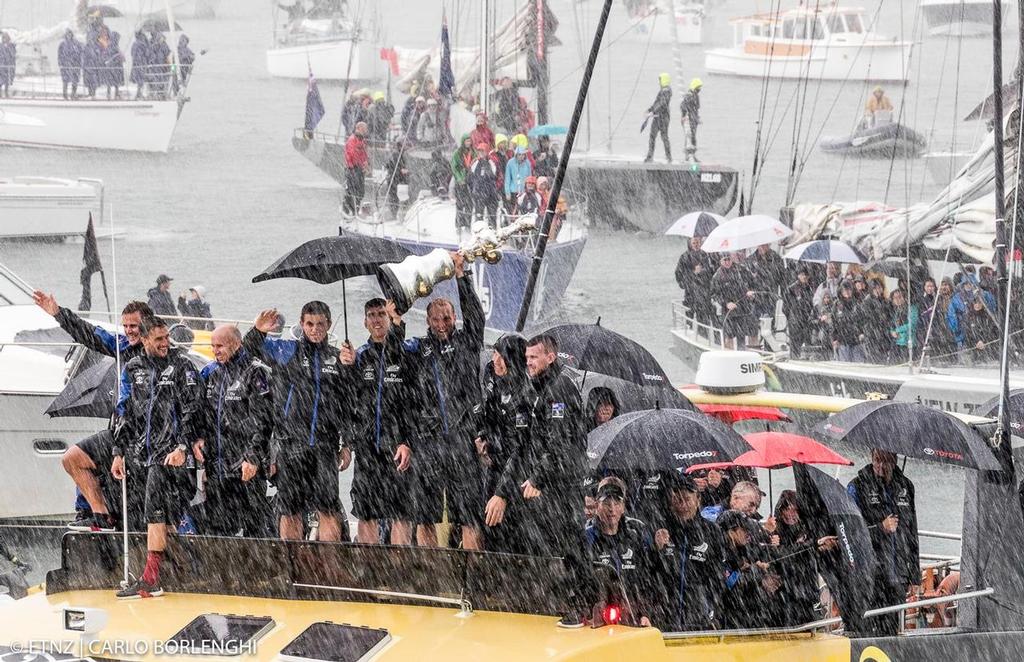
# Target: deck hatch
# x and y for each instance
(220, 634)
(330, 642)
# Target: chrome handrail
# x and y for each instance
(464, 605)
(952, 597)
(940, 535)
(750, 632)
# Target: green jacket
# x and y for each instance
(459, 166)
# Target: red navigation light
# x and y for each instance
(612, 615)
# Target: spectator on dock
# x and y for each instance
(69, 59)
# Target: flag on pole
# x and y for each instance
(446, 77)
(314, 105)
(90, 265)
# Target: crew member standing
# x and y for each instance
(693, 275)
(798, 305)
(155, 428)
(8, 60)
(659, 113)
(483, 185)
(140, 63)
(448, 381)
(357, 166)
(385, 406)
(885, 497)
(234, 444)
(88, 462)
(309, 391)
(553, 489)
(69, 59)
(689, 115)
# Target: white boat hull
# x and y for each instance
(879, 61)
(966, 18)
(181, 8)
(134, 126)
(328, 60)
(44, 207)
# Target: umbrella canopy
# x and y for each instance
(157, 22)
(629, 396)
(828, 510)
(734, 413)
(89, 394)
(911, 429)
(330, 259)
(104, 11)
(548, 130)
(696, 224)
(654, 440)
(825, 250)
(745, 232)
(593, 348)
(774, 450)
(1015, 415)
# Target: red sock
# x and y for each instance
(151, 575)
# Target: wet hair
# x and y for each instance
(550, 344)
(139, 307)
(745, 487)
(512, 348)
(787, 499)
(151, 323)
(315, 308)
(437, 302)
(375, 302)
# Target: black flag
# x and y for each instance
(90, 265)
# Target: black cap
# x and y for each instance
(163, 278)
(681, 481)
(732, 519)
(610, 489)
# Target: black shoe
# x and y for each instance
(649, 159)
(139, 589)
(102, 523)
(82, 522)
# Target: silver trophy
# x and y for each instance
(415, 277)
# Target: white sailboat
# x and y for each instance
(331, 44)
(959, 18)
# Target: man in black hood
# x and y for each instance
(885, 497)
(160, 300)
(798, 305)
(502, 443)
(310, 396)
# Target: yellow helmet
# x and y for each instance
(378, 96)
(664, 80)
(520, 140)
(696, 84)
(500, 138)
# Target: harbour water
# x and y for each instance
(232, 195)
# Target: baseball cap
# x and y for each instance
(610, 490)
(163, 278)
(681, 481)
(732, 519)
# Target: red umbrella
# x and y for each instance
(775, 450)
(730, 414)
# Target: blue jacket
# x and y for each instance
(516, 172)
(959, 307)
(385, 403)
(95, 338)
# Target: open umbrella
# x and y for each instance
(828, 510)
(548, 130)
(695, 224)
(104, 11)
(825, 250)
(654, 440)
(89, 394)
(629, 396)
(593, 348)
(330, 259)
(745, 232)
(1015, 414)
(734, 413)
(911, 429)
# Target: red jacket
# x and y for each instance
(355, 152)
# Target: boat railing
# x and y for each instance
(811, 627)
(927, 602)
(939, 535)
(163, 81)
(320, 135)
(464, 605)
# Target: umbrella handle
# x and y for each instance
(344, 307)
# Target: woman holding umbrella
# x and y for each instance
(795, 561)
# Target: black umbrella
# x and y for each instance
(629, 396)
(593, 348)
(826, 509)
(157, 23)
(1015, 413)
(911, 429)
(654, 440)
(104, 11)
(89, 394)
(330, 259)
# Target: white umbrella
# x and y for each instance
(8, 118)
(745, 232)
(825, 250)
(696, 224)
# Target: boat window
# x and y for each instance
(221, 634)
(819, 30)
(788, 28)
(330, 642)
(755, 30)
(801, 29)
(854, 23)
(835, 24)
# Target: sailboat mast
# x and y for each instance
(485, 53)
(1003, 428)
(563, 163)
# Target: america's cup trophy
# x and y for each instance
(415, 277)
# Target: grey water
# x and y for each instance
(232, 195)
